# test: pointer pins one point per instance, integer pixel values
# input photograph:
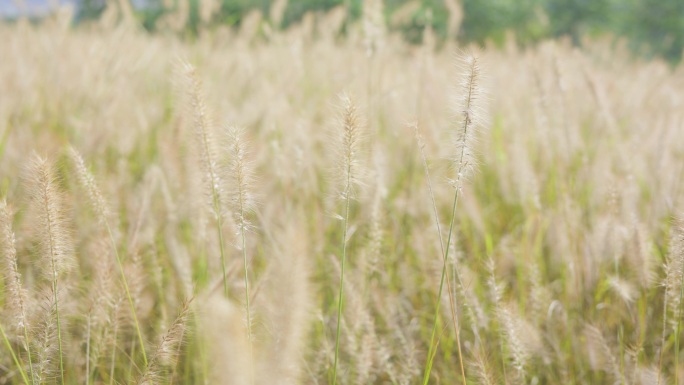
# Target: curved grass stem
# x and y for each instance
(128, 293)
(461, 168)
(14, 356)
(433, 347)
(445, 273)
(248, 310)
(344, 257)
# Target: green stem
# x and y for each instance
(14, 356)
(128, 293)
(28, 350)
(428, 365)
(131, 364)
(216, 203)
(461, 167)
(113, 360)
(219, 224)
(679, 322)
(59, 325)
(662, 341)
(344, 257)
(87, 371)
(454, 317)
(249, 313)
(431, 352)
(54, 285)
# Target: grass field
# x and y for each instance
(182, 211)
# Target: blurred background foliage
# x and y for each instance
(651, 27)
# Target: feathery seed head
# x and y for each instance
(509, 325)
(202, 128)
(600, 353)
(623, 289)
(376, 234)
(55, 239)
(168, 348)
(349, 147)
(495, 288)
(471, 112)
(15, 294)
(220, 319)
(87, 180)
(167, 352)
(287, 301)
(511, 329)
(241, 197)
(416, 132)
(45, 337)
(674, 273)
(482, 368)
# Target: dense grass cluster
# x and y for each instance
(293, 207)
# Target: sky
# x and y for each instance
(11, 8)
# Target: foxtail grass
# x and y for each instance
(471, 118)
(242, 203)
(103, 213)
(481, 366)
(16, 295)
(18, 364)
(168, 349)
(349, 147)
(674, 292)
(454, 316)
(209, 163)
(57, 250)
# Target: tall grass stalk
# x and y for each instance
(241, 200)
(349, 147)
(167, 351)
(247, 308)
(674, 289)
(454, 316)
(87, 352)
(112, 361)
(59, 324)
(128, 295)
(339, 297)
(16, 294)
(433, 346)
(57, 250)
(662, 340)
(470, 119)
(210, 167)
(678, 327)
(14, 356)
(98, 203)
